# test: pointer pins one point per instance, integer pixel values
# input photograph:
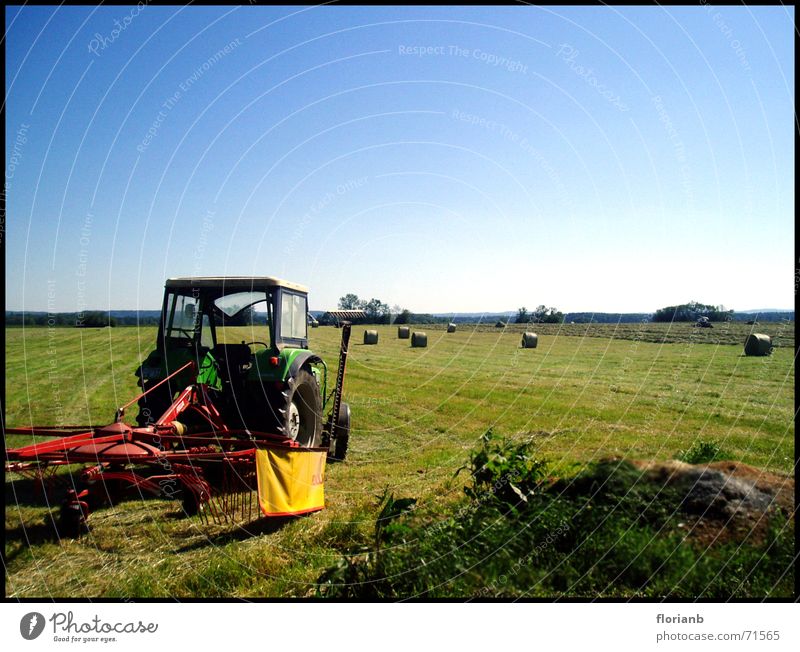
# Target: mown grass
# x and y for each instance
(416, 414)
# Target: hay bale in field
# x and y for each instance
(530, 340)
(758, 344)
(370, 337)
(451, 327)
(500, 324)
(403, 332)
(419, 339)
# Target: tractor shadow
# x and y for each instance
(259, 527)
(30, 492)
(24, 536)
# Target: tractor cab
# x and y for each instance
(194, 309)
(247, 336)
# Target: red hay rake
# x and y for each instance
(212, 472)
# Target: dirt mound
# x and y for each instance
(724, 501)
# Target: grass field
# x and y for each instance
(587, 392)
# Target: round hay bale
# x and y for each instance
(758, 344)
(403, 332)
(530, 340)
(451, 328)
(419, 339)
(370, 337)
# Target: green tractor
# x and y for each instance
(248, 339)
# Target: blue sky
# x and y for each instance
(588, 158)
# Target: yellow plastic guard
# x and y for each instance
(290, 480)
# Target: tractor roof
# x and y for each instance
(244, 282)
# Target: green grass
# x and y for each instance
(581, 395)
(611, 531)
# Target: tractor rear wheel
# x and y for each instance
(301, 410)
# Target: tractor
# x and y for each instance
(248, 338)
(230, 375)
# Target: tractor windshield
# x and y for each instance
(232, 304)
(242, 317)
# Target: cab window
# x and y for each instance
(182, 315)
(293, 316)
(206, 335)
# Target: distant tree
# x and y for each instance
(376, 310)
(350, 302)
(545, 315)
(523, 316)
(400, 315)
(247, 316)
(554, 316)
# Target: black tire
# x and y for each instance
(152, 406)
(340, 437)
(72, 518)
(191, 506)
(300, 411)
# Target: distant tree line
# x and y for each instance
(692, 311)
(89, 319)
(378, 312)
(764, 316)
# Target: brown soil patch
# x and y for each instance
(724, 501)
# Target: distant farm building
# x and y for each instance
(336, 317)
